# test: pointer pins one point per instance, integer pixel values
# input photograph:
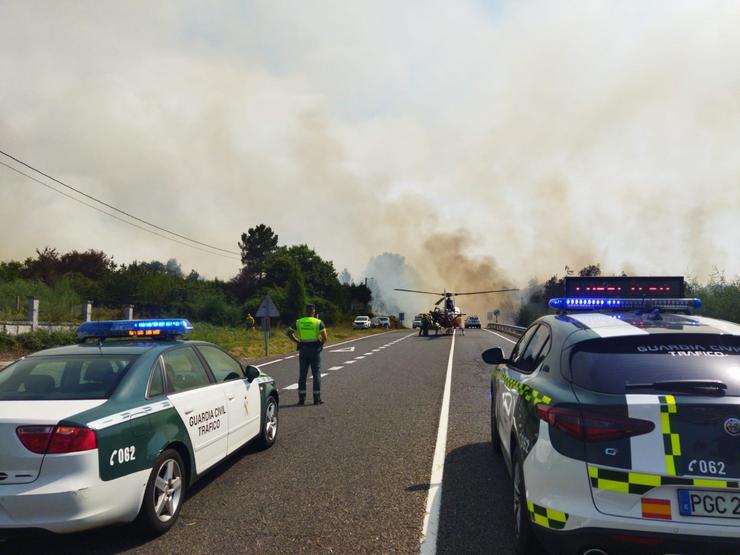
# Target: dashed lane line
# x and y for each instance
(272, 362)
(349, 362)
(291, 386)
(499, 335)
(335, 368)
(359, 357)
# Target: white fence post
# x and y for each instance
(33, 312)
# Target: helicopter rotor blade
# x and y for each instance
(417, 291)
(483, 292)
(439, 301)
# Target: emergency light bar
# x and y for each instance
(665, 287)
(569, 303)
(134, 328)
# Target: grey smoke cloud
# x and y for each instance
(535, 135)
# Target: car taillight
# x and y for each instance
(591, 426)
(57, 439)
(35, 438)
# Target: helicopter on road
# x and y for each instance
(448, 317)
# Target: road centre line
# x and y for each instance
(501, 336)
(335, 368)
(271, 362)
(430, 527)
(359, 358)
(291, 386)
(349, 362)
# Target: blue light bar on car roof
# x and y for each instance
(569, 303)
(135, 328)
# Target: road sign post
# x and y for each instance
(266, 311)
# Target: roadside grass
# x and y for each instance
(250, 344)
(237, 340)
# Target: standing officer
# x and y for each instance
(310, 335)
(250, 322)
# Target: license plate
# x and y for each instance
(716, 504)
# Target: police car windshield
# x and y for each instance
(615, 365)
(63, 377)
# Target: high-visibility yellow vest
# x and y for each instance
(308, 328)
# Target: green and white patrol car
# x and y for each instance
(116, 428)
(619, 420)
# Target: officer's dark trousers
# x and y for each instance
(309, 355)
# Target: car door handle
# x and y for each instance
(188, 411)
(231, 397)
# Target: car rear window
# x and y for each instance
(608, 365)
(63, 377)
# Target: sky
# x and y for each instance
(476, 143)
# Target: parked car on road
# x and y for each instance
(619, 422)
(381, 322)
(118, 427)
(472, 322)
(361, 323)
(416, 323)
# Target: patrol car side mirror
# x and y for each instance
(252, 372)
(493, 356)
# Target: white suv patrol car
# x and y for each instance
(116, 430)
(619, 420)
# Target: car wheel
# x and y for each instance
(269, 423)
(524, 540)
(164, 493)
(495, 438)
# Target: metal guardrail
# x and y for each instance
(516, 331)
(19, 328)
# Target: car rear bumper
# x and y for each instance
(612, 540)
(69, 496)
(559, 486)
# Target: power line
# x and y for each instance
(113, 207)
(113, 215)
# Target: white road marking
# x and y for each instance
(368, 354)
(501, 336)
(291, 386)
(344, 350)
(271, 362)
(334, 368)
(434, 498)
(376, 350)
(359, 358)
(324, 374)
(349, 362)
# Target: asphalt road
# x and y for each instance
(352, 475)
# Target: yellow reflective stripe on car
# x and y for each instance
(671, 440)
(636, 483)
(549, 518)
(525, 391)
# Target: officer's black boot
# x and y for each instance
(317, 400)
(301, 399)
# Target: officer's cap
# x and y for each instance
(310, 307)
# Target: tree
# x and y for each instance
(256, 246)
(295, 301)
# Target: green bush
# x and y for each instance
(35, 341)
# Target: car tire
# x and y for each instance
(164, 494)
(269, 429)
(524, 541)
(495, 438)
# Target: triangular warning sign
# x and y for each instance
(267, 309)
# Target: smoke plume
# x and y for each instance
(486, 143)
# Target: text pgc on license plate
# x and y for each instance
(709, 503)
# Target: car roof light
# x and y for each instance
(161, 327)
(573, 304)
